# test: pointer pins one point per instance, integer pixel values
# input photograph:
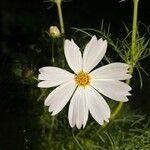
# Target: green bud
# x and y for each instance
(54, 32)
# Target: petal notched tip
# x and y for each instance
(38, 85)
(67, 41)
(54, 113)
(105, 43)
(46, 103)
(42, 84)
(43, 69)
(93, 38)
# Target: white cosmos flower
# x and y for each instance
(85, 86)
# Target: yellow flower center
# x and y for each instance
(82, 79)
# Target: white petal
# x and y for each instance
(59, 97)
(53, 76)
(93, 53)
(116, 71)
(73, 56)
(97, 106)
(115, 90)
(78, 111)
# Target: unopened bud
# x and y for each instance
(54, 32)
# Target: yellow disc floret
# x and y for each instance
(82, 79)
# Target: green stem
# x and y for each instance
(58, 3)
(133, 52)
(134, 31)
(41, 95)
(117, 110)
(120, 105)
(115, 113)
(53, 57)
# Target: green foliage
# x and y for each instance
(127, 132)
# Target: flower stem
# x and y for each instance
(117, 110)
(120, 105)
(133, 53)
(58, 3)
(134, 31)
(41, 95)
(53, 57)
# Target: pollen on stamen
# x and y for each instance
(82, 79)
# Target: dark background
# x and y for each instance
(22, 23)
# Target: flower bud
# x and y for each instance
(54, 32)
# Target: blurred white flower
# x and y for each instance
(85, 86)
